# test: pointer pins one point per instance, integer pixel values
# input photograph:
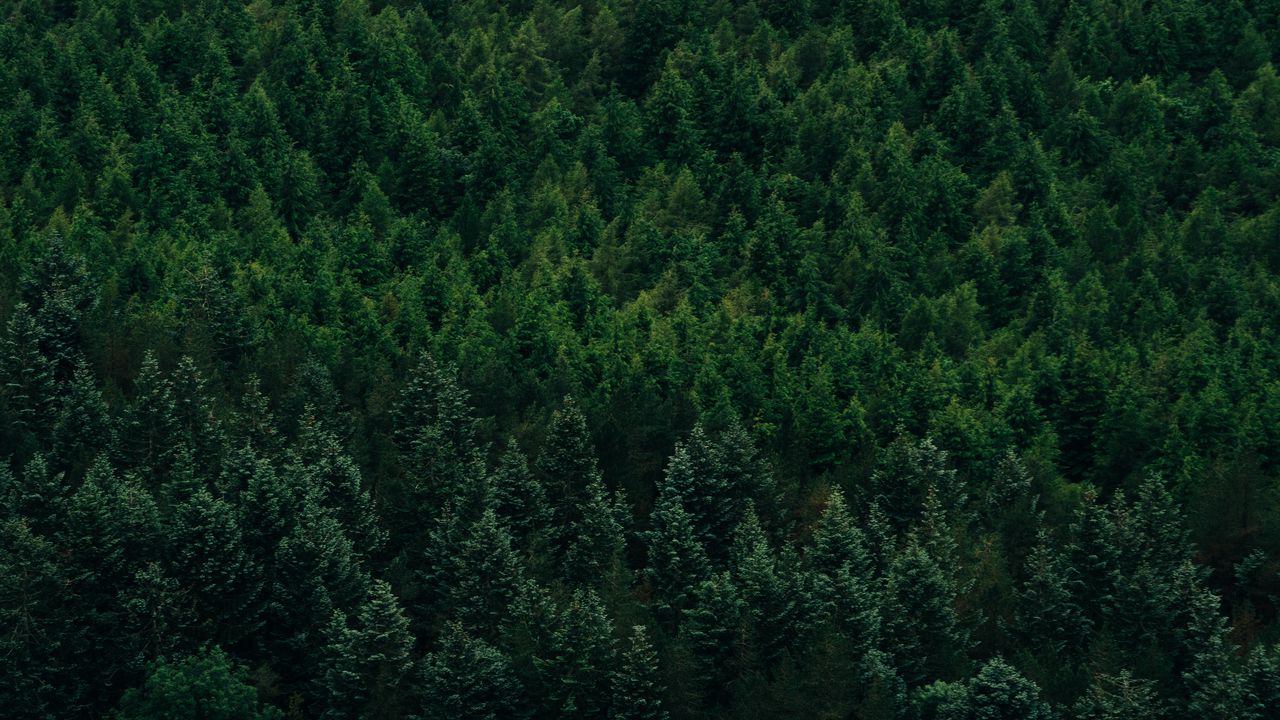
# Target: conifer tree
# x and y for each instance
(367, 660)
(436, 434)
(677, 562)
(567, 464)
(487, 576)
(465, 677)
(521, 501)
(27, 383)
(922, 631)
(1000, 692)
(206, 684)
(193, 410)
(713, 629)
(583, 655)
(208, 557)
(636, 692)
(329, 477)
(83, 428)
(1048, 614)
(595, 551)
(1119, 697)
(149, 429)
(1215, 684)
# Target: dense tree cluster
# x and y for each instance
(640, 359)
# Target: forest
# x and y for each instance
(640, 359)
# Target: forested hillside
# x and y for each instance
(640, 359)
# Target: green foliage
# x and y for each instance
(853, 347)
(207, 684)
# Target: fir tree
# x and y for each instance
(206, 684)
(636, 692)
(999, 692)
(27, 382)
(83, 427)
(465, 677)
(208, 557)
(677, 561)
(521, 501)
(149, 429)
(367, 660)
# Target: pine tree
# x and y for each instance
(59, 291)
(906, 473)
(331, 478)
(193, 410)
(521, 501)
(436, 434)
(595, 552)
(1119, 697)
(1048, 615)
(83, 429)
(42, 497)
(567, 465)
(366, 661)
(677, 562)
(695, 480)
(26, 380)
(581, 658)
(465, 677)
(713, 629)
(637, 694)
(208, 557)
(842, 575)
(1000, 692)
(922, 631)
(149, 429)
(316, 573)
(773, 605)
(32, 587)
(486, 577)
(206, 684)
(1215, 685)
(268, 510)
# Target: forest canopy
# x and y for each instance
(640, 359)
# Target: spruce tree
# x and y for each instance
(1049, 617)
(208, 556)
(366, 661)
(83, 428)
(486, 577)
(677, 561)
(435, 429)
(567, 465)
(196, 425)
(594, 555)
(637, 694)
(922, 631)
(465, 677)
(1119, 697)
(1000, 692)
(328, 476)
(206, 684)
(149, 428)
(1214, 682)
(713, 629)
(581, 659)
(26, 384)
(521, 501)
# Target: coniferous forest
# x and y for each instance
(640, 359)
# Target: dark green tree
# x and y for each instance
(465, 677)
(637, 694)
(206, 684)
(366, 660)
